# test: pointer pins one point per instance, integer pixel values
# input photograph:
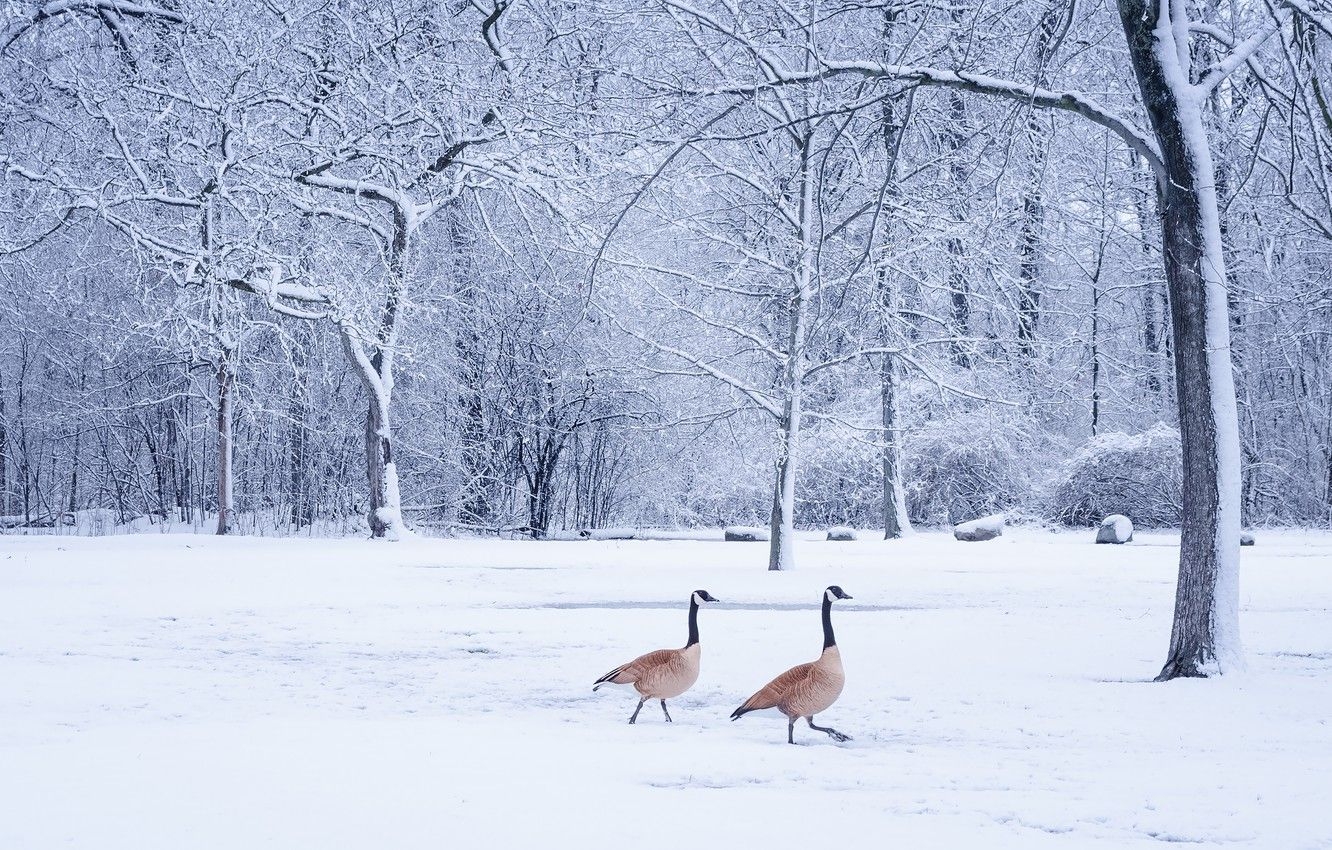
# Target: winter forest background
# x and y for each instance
(529, 268)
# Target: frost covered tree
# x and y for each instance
(1173, 93)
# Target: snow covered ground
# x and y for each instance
(189, 692)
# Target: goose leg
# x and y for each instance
(831, 732)
(790, 730)
(665, 712)
(634, 717)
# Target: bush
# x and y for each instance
(960, 469)
(1137, 475)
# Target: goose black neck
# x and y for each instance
(693, 623)
(828, 639)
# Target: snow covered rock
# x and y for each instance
(609, 534)
(1246, 538)
(985, 528)
(1115, 528)
(841, 532)
(746, 533)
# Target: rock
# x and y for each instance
(745, 533)
(1115, 528)
(841, 532)
(1246, 538)
(609, 533)
(985, 528)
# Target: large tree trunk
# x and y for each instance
(385, 514)
(1205, 635)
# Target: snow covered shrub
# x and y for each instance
(840, 481)
(1137, 475)
(968, 467)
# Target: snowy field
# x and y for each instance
(193, 692)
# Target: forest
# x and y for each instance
(533, 268)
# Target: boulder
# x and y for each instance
(841, 532)
(745, 533)
(1115, 528)
(985, 528)
(1246, 538)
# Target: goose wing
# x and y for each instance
(771, 694)
(627, 674)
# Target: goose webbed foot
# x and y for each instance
(665, 712)
(839, 737)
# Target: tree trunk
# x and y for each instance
(4, 451)
(781, 555)
(782, 523)
(1154, 301)
(896, 523)
(385, 514)
(298, 409)
(1095, 358)
(376, 372)
(225, 384)
(1205, 635)
(959, 289)
(1033, 201)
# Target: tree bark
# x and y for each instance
(958, 288)
(4, 451)
(781, 555)
(298, 409)
(225, 384)
(1032, 232)
(1205, 635)
(896, 523)
(380, 472)
(376, 372)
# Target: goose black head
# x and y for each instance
(835, 592)
(701, 596)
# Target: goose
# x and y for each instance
(807, 689)
(665, 673)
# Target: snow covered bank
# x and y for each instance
(179, 691)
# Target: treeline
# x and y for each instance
(515, 268)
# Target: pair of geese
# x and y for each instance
(803, 691)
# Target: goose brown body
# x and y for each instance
(664, 673)
(806, 689)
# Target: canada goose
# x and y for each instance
(807, 689)
(666, 673)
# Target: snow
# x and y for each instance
(390, 514)
(170, 691)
